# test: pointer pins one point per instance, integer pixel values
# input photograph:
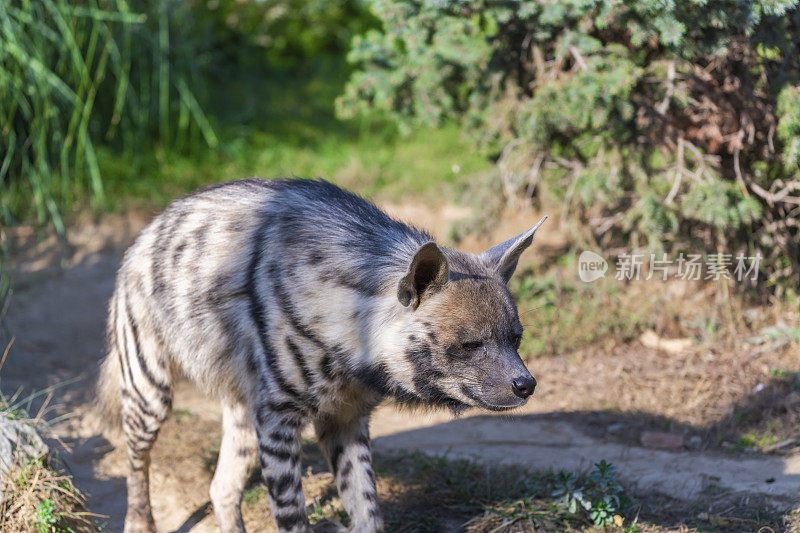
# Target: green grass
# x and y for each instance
(75, 78)
(419, 165)
(280, 122)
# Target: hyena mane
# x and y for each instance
(294, 302)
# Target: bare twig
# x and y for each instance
(677, 181)
(533, 175)
(780, 445)
(738, 170)
(502, 164)
(781, 196)
(576, 54)
(539, 61)
(5, 352)
(608, 223)
(576, 170)
(663, 106)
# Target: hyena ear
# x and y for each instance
(503, 258)
(427, 273)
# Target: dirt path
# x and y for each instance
(57, 317)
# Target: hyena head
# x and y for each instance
(461, 330)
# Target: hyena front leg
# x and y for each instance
(278, 432)
(236, 453)
(346, 447)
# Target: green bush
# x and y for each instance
(659, 125)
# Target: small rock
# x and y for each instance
(664, 441)
(695, 441)
(614, 428)
(752, 314)
(673, 346)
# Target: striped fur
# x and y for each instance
(296, 302)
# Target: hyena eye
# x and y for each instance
(472, 346)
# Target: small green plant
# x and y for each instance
(790, 376)
(704, 328)
(755, 439)
(599, 498)
(320, 510)
(46, 516)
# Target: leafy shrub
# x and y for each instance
(599, 497)
(670, 125)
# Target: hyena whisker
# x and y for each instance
(296, 302)
(538, 308)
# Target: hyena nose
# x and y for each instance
(523, 386)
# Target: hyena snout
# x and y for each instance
(507, 387)
(523, 386)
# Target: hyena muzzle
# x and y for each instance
(294, 301)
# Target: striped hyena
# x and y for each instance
(294, 301)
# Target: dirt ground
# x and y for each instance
(580, 413)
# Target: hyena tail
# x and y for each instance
(109, 392)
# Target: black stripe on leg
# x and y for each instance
(284, 489)
(162, 387)
(346, 469)
(143, 408)
(126, 368)
(276, 374)
(281, 437)
(278, 453)
(244, 451)
(290, 521)
(363, 440)
(283, 407)
(280, 484)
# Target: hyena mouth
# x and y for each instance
(480, 402)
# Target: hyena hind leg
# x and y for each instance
(146, 401)
(141, 424)
(236, 456)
